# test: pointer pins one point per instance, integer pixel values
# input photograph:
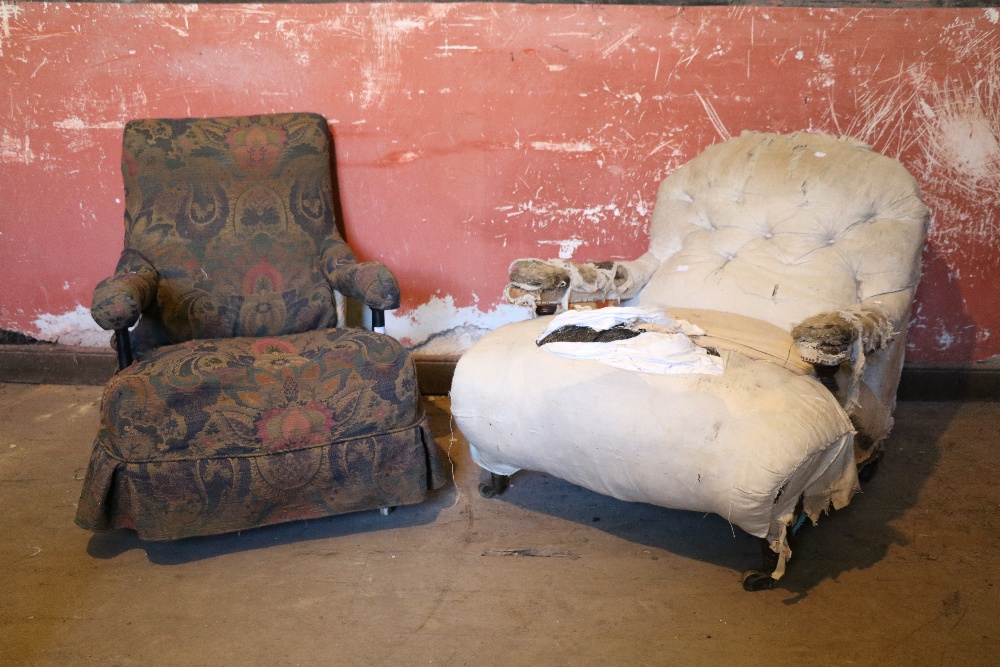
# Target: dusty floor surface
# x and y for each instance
(906, 575)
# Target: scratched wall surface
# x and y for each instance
(468, 135)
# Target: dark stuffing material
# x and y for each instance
(578, 334)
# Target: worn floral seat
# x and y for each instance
(245, 406)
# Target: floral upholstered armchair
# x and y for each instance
(755, 367)
(245, 406)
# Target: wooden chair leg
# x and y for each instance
(762, 579)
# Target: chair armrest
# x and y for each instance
(831, 338)
(369, 282)
(537, 281)
(119, 300)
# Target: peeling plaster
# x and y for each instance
(417, 326)
(75, 327)
(451, 341)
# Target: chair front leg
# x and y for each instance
(378, 320)
(494, 486)
(124, 347)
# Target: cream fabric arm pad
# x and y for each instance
(536, 280)
(853, 335)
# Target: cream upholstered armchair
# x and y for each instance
(786, 265)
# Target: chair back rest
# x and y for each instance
(232, 212)
(782, 227)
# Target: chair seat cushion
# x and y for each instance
(747, 444)
(211, 436)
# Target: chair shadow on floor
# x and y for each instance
(853, 538)
(114, 543)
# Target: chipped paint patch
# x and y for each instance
(75, 327)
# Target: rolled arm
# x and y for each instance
(369, 282)
(536, 281)
(831, 338)
(119, 300)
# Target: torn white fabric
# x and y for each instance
(666, 350)
(660, 353)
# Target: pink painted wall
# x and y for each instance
(468, 135)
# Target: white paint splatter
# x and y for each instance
(964, 128)
(713, 117)
(563, 146)
(382, 73)
(992, 15)
(620, 42)
(75, 327)
(8, 11)
(971, 144)
(77, 123)
(409, 24)
(566, 246)
(457, 47)
(15, 149)
(945, 340)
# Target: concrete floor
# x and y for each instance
(549, 574)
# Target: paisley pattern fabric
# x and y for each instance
(244, 408)
(236, 215)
